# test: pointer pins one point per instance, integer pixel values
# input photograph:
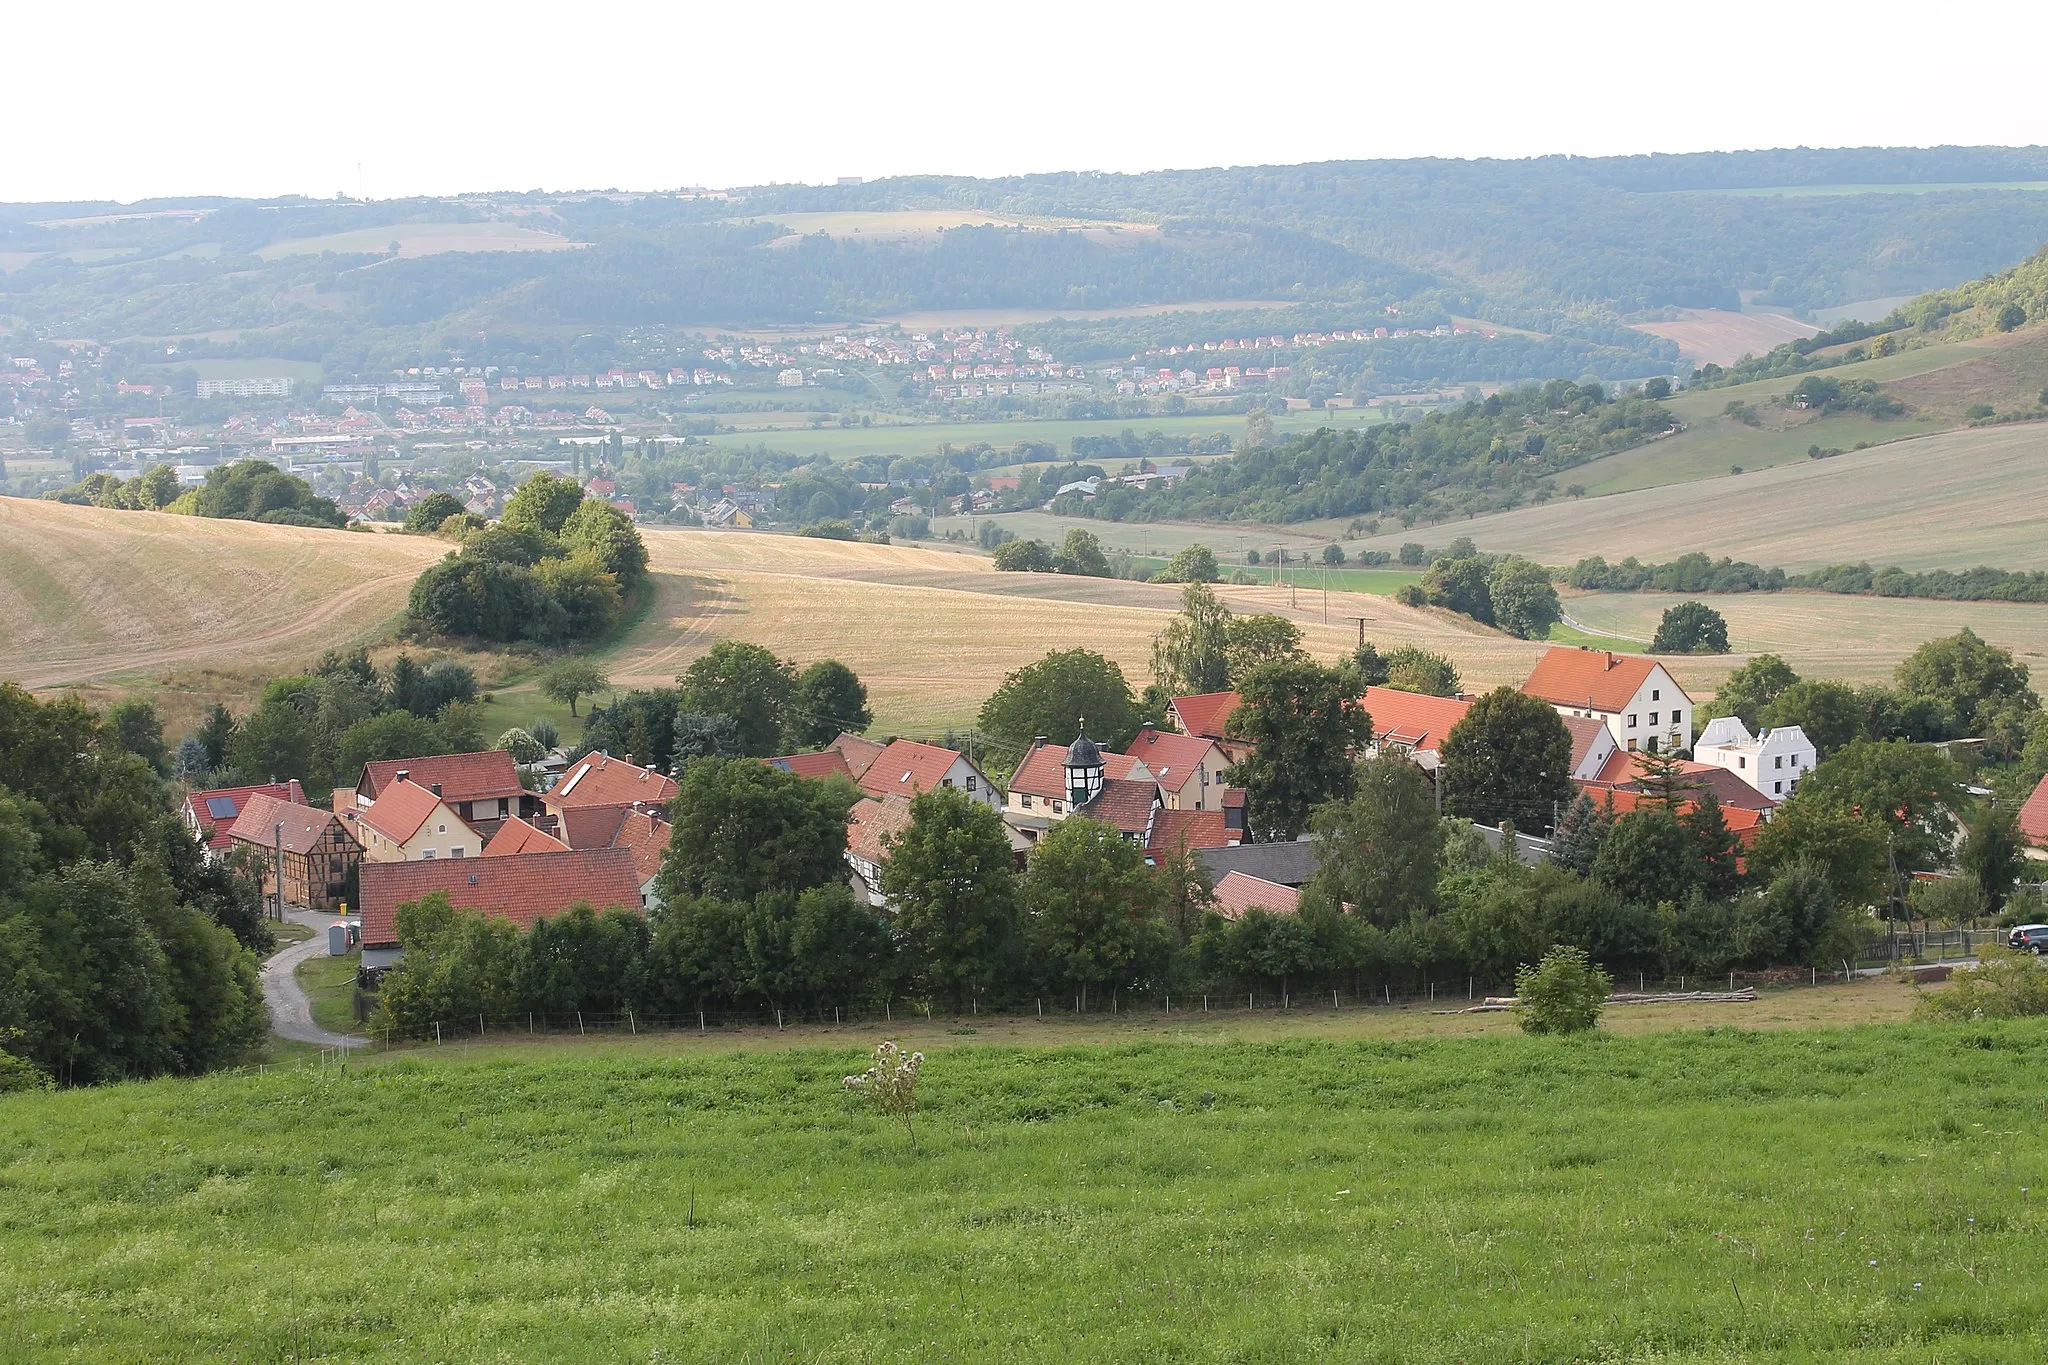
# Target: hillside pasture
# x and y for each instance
(1852, 1195)
(1723, 337)
(1949, 500)
(423, 239)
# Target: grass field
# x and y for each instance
(1846, 1195)
(1952, 499)
(423, 239)
(330, 984)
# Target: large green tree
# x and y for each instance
(1191, 655)
(1965, 675)
(1750, 689)
(1691, 628)
(1827, 712)
(1647, 858)
(954, 896)
(543, 503)
(1053, 697)
(742, 828)
(1378, 851)
(1510, 758)
(1914, 790)
(1094, 912)
(1524, 599)
(1850, 848)
(1303, 724)
(746, 682)
(829, 699)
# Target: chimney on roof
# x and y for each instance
(1611, 660)
(403, 774)
(435, 788)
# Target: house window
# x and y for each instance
(1778, 762)
(440, 829)
(945, 782)
(1741, 762)
(504, 806)
(970, 784)
(426, 855)
(1025, 800)
(1656, 694)
(1631, 723)
(1057, 808)
(1631, 746)
(1653, 718)
(455, 852)
(1777, 788)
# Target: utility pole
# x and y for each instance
(1326, 594)
(1361, 629)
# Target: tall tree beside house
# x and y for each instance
(742, 828)
(1378, 852)
(1249, 641)
(1303, 723)
(1967, 677)
(1580, 833)
(1850, 848)
(1828, 712)
(139, 730)
(1094, 919)
(1993, 852)
(1186, 891)
(1717, 853)
(1414, 669)
(954, 896)
(1510, 758)
(1914, 790)
(1191, 655)
(1750, 689)
(749, 684)
(1648, 858)
(829, 699)
(1053, 697)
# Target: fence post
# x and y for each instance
(631, 1025)
(1333, 999)
(835, 1014)
(1389, 989)
(437, 1033)
(579, 1023)
(1041, 1007)
(700, 1021)
(1247, 1000)
(778, 1018)
(1169, 1003)
(479, 1027)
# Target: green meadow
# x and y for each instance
(1860, 1194)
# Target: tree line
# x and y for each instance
(247, 490)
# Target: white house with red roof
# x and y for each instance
(1639, 702)
(1773, 761)
(1041, 794)
(1411, 724)
(1188, 768)
(594, 794)
(482, 788)
(414, 823)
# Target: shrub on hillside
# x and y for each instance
(1564, 993)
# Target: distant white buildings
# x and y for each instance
(1774, 762)
(279, 386)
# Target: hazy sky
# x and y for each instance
(126, 101)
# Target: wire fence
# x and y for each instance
(1448, 996)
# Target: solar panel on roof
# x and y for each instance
(221, 807)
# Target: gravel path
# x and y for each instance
(291, 1010)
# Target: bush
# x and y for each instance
(830, 530)
(2005, 985)
(1564, 993)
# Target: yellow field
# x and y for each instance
(89, 594)
(1858, 639)
(424, 239)
(1951, 500)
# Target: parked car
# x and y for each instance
(2032, 938)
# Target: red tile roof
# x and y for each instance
(1238, 892)
(521, 888)
(213, 829)
(1173, 830)
(1173, 760)
(1742, 821)
(589, 826)
(400, 811)
(2034, 815)
(519, 836)
(1623, 768)
(1410, 719)
(1205, 713)
(859, 753)
(304, 826)
(1123, 804)
(829, 763)
(1586, 732)
(1044, 770)
(645, 835)
(871, 823)
(481, 776)
(906, 768)
(595, 780)
(1591, 678)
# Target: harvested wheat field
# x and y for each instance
(1952, 500)
(1858, 639)
(932, 633)
(87, 593)
(1723, 337)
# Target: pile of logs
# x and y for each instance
(1494, 1004)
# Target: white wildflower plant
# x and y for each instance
(889, 1086)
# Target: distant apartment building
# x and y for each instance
(275, 386)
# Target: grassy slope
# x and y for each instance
(1845, 1195)
(1953, 499)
